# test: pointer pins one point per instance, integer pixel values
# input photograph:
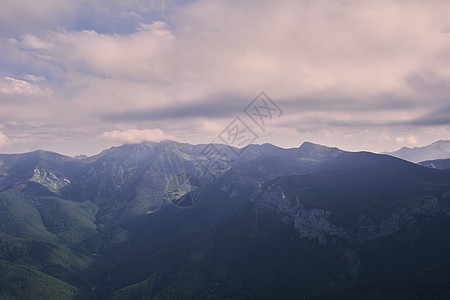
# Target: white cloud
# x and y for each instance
(3, 139)
(12, 86)
(33, 42)
(411, 140)
(33, 78)
(135, 135)
(140, 55)
(384, 137)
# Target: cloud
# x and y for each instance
(412, 140)
(33, 78)
(225, 105)
(3, 139)
(128, 56)
(33, 42)
(12, 86)
(17, 17)
(135, 135)
(332, 66)
(384, 137)
(324, 50)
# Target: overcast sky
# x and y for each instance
(79, 76)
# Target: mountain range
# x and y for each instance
(171, 220)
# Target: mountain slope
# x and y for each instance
(20, 282)
(443, 164)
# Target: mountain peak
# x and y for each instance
(309, 146)
(318, 152)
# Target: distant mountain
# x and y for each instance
(443, 164)
(310, 222)
(436, 150)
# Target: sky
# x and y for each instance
(77, 77)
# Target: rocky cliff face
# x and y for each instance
(49, 179)
(407, 216)
(315, 223)
(311, 223)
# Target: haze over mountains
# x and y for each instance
(436, 150)
(313, 222)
